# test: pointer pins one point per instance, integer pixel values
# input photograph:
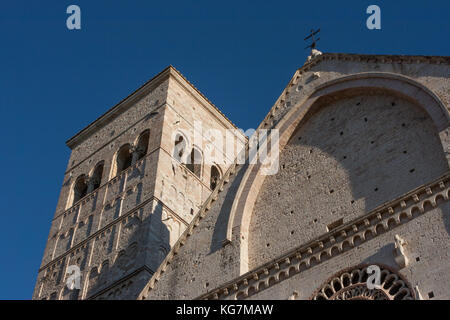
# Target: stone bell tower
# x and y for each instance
(130, 191)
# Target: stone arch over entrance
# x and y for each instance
(352, 284)
(365, 83)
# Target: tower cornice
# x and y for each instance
(147, 87)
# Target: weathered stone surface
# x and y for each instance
(119, 233)
(347, 159)
(364, 157)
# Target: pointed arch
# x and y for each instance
(347, 86)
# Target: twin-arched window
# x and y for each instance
(128, 155)
(86, 184)
(125, 157)
(193, 159)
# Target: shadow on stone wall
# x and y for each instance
(446, 216)
(220, 228)
(147, 245)
(384, 255)
(345, 158)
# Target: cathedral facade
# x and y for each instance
(357, 207)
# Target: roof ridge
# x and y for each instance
(111, 111)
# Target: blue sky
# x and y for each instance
(240, 54)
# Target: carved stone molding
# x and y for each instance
(379, 221)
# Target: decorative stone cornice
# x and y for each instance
(282, 100)
(378, 221)
(123, 105)
(82, 244)
(335, 236)
(119, 283)
(127, 102)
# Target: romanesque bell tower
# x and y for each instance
(135, 179)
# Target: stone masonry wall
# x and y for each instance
(119, 233)
(348, 158)
(204, 263)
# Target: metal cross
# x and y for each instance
(314, 41)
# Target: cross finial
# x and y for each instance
(314, 40)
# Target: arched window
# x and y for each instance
(179, 147)
(142, 144)
(215, 177)
(80, 188)
(194, 163)
(96, 178)
(104, 273)
(124, 157)
(93, 278)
